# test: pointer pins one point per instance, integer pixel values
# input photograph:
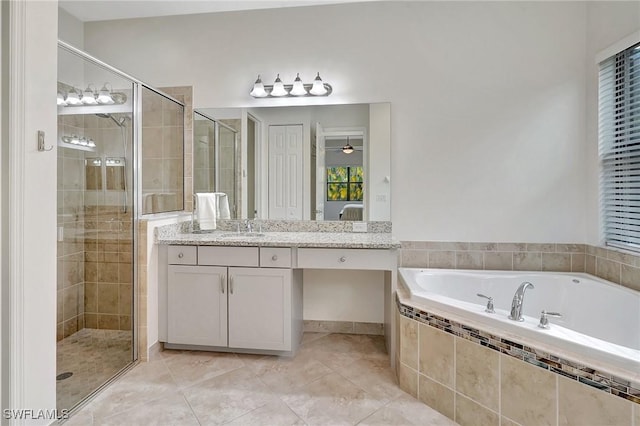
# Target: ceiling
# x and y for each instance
(103, 10)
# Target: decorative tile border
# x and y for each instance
(581, 373)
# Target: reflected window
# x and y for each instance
(345, 183)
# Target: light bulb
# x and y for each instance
(258, 89)
(88, 97)
(318, 88)
(104, 97)
(91, 143)
(278, 88)
(73, 98)
(298, 88)
(61, 100)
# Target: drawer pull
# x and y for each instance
(343, 259)
(230, 284)
(222, 280)
(274, 257)
(180, 255)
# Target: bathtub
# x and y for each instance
(600, 320)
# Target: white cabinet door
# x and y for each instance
(286, 176)
(197, 305)
(260, 308)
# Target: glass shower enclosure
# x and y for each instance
(216, 163)
(102, 176)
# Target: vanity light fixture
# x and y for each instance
(89, 96)
(318, 88)
(278, 88)
(258, 89)
(61, 100)
(348, 148)
(73, 98)
(297, 89)
(104, 97)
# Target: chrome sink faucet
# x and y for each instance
(518, 300)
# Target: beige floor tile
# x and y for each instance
(282, 374)
(191, 367)
(309, 337)
(406, 410)
(332, 400)
(227, 397)
(336, 350)
(373, 375)
(172, 410)
(264, 390)
(274, 413)
(145, 383)
(81, 418)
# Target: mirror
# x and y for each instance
(327, 162)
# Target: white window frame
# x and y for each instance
(619, 143)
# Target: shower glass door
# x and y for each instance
(96, 246)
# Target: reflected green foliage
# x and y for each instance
(345, 183)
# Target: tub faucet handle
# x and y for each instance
(544, 320)
(489, 307)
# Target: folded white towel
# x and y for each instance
(207, 210)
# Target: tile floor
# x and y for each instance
(93, 356)
(335, 379)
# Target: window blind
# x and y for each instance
(619, 148)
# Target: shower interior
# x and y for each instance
(117, 160)
(95, 254)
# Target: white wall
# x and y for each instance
(70, 29)
(488, 116)
(29, 209)
(607, 23)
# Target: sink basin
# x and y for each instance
(241, 235)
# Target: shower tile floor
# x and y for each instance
(333, 379)
(93, 356)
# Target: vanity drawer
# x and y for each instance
(275, 257)
(367, 259)
(228, 256)
(183, 255)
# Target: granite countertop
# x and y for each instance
(379, 240)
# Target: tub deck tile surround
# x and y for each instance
(603, 381)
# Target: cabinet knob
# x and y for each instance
(274, 257)
(343, 259)
(180, 255)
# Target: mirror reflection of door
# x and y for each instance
(285, 172)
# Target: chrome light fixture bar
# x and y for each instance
(91, 96)
(297, 89)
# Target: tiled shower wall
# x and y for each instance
(184, 94)
(230, 165)
(610, 264)
(70, 251)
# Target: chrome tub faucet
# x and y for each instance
(518, 300)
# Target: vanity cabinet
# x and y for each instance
(221, 297)
(197, 305)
